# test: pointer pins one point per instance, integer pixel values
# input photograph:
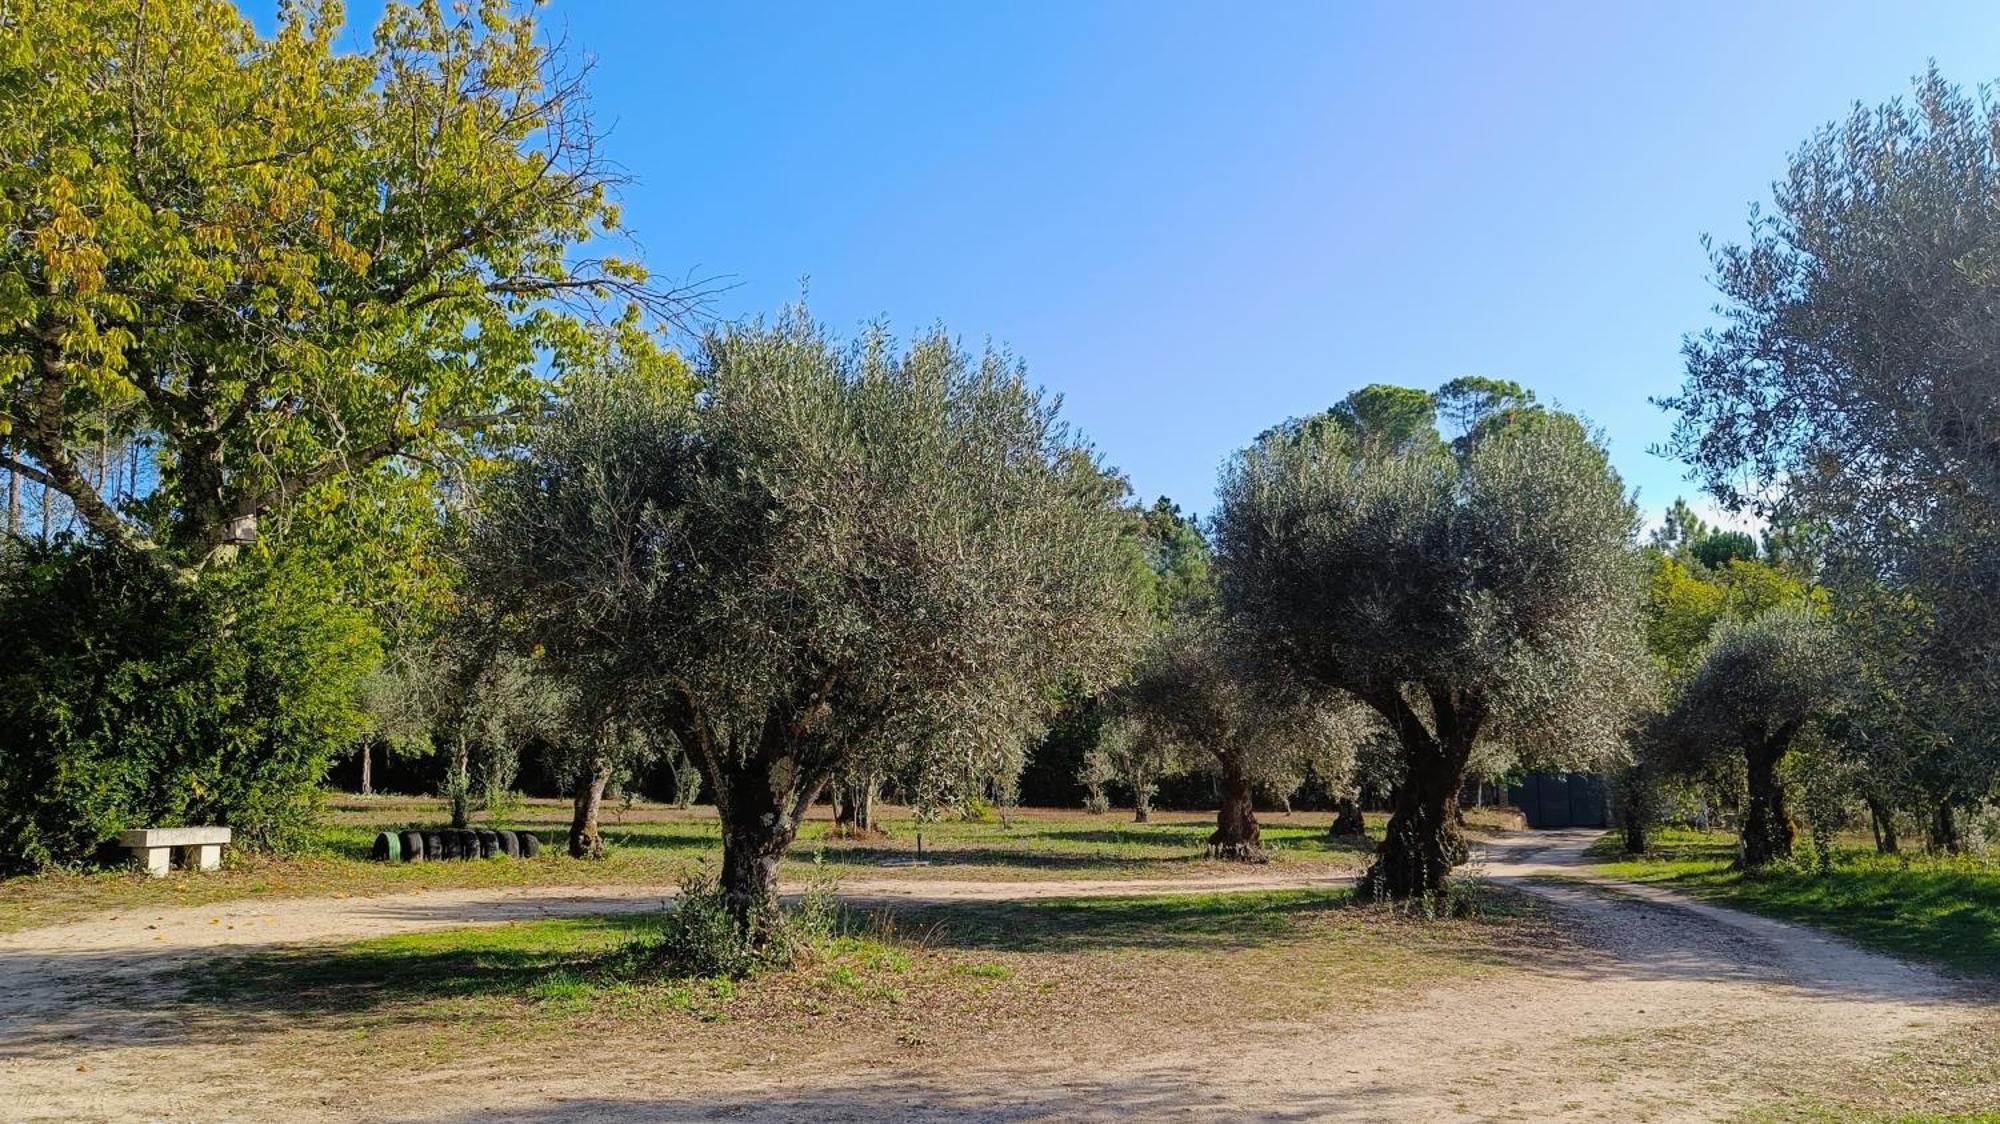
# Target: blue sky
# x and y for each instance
(1195, 221)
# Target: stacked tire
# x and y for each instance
(460, 843)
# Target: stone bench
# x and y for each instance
(155, 846)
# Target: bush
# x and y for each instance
(129, 699)
(701, 938)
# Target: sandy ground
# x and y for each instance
(1662, 1009)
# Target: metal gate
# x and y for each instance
(1551, 800)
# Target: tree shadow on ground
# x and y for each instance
(897, 853)
(1205, 922)
(1195, 836)
(396, 979)
(1003, 1099)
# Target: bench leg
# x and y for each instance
(157, 860)
(206, 856)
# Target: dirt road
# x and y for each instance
(1664, 1009)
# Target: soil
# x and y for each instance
(1652, 1007)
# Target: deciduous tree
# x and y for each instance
(281, 263)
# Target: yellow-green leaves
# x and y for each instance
(300, 262)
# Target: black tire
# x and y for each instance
(413, 847)
(510, 844)
(388, 847)
(434, 846)
(531, 844)
(489, 842)
(468, 844)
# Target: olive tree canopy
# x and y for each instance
(1759, 686)
(831, 548)
(1201, 691)
(1482, 591)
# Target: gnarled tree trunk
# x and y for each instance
(1423, 841)
(1236, 832)
(584, 840)
(1768, 833)
(1348, 822)
(760, 804)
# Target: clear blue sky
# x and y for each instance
(1195, 221)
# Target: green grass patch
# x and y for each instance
(1939, 908)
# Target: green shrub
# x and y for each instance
(701, 939)
(129, 699)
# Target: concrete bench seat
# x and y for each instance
(201, 847)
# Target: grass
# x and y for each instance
(1945, 909)
(657, 845)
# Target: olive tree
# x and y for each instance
(826, 548)
(1127, 752)
(1482, 591)
(1850, 386)
(1201, 691)
(1760, 686)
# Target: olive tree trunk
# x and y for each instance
(1882, 819)
(1236, 832)
(760, 805)
(854, 804)
(1945, 837)
(1348, 823)
(367, 756)
(1423, 841)
(1142, 798)
(584, 840)
(461, 782)
(1636, 808)
(1768, 834)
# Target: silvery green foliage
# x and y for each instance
(1125, 753)
(1761, 682)
(1200, 697)
(831, 549)
(1850, 387)
(1763, 688)
(563, 539)
(1497, 573)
